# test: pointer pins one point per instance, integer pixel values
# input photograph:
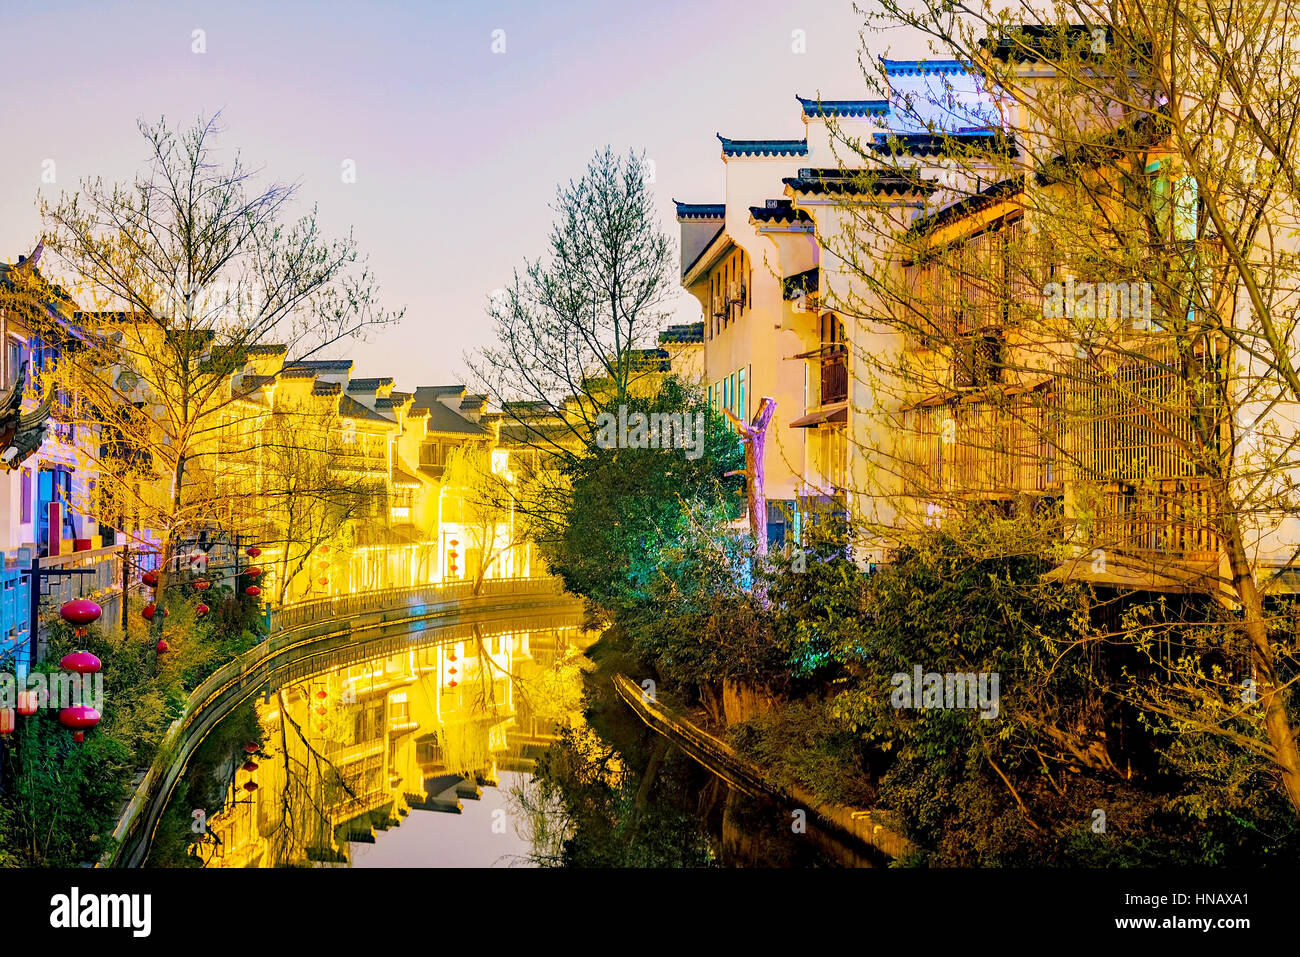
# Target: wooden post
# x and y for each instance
(754, 435)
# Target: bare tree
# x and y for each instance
(185, 275)
(569, 327)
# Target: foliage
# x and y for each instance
(629, 509)
(61, 799)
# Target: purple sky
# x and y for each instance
(457, 150)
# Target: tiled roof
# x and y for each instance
(778, 211)
(763, 147)
(443, 419)
(816, 107)
(686, 332)
(919, 67)
(251, 383)
(527, 407)
(350, 408)
(474, 403)
(648, 360)
(688, 211)
(428, 393)
(384, 403)
(823, 181)
(269, 349)
(971, 204)
(1045, 41)
(935, 144)
(327, 388)
(369, 385)
(294, 372)
(323, 365)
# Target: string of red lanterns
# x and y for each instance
(80, 613)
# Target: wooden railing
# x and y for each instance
(981, 450)
(388, 599)
(1170, 517)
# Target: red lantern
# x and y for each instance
(324, 549)
(79, 718)
(452, 657)
(148, 612)
(162, 645)
(451, 670)
(323, 582)
(250, 786)
(321, 711)
(27, 703)
(254, 572)
(252, 748)
(150, 579)
(8, 719)
(322, 695)
(81, 662)
(252, 551)
(451, 683)
(250, 766)
(79, 613)
(252, 590)
(202, 584)
(201, 609)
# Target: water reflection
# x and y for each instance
(348, 754)
(474, 745)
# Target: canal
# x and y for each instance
(488, 745)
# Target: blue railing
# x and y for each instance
(15, 602)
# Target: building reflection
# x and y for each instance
(353, 751)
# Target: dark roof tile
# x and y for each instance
(732, 147)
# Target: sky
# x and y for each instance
(457, 150)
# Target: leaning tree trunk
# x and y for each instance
(754, 435)
(1273, 698)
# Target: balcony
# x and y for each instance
(1172, 518)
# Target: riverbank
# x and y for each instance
(856, 823)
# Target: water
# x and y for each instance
(463, 748)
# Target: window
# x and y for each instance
(741, 408)
(26, 482)
(1175, 202)
(400, 708)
